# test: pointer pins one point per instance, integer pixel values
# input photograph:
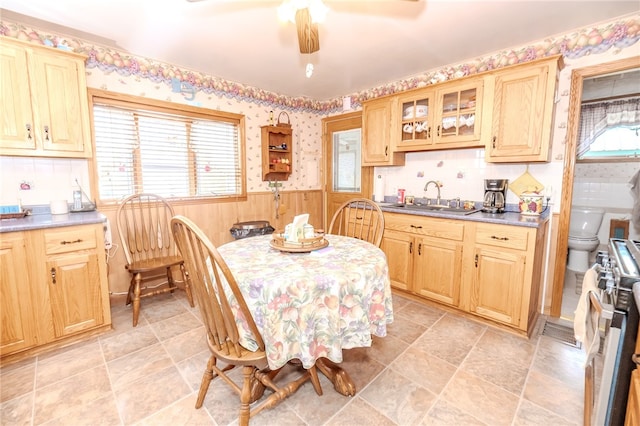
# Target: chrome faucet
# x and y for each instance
(437, 184)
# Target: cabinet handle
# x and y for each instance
(28, 126)
(71, 242)
(53, 275)
(359, 217)
(411, 247)
(476, 260)
(46, 133)
(386, 150)
(500, 238)
(416, 227)
(438, 133)
(429, 132)
(420, 249)
(494, 141)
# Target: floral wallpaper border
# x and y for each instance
(617, 34)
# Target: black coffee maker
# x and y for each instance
(495, 193)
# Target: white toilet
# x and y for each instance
(583, 236)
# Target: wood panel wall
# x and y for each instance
(217, 219)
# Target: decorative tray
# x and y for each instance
(304, 245)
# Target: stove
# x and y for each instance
(618, 270)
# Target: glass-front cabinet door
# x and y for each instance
(458, 116)
(416, 128)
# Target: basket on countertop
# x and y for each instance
(281, 124)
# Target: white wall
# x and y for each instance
(606, 185)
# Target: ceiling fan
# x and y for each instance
(306, 14)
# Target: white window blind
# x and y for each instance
(165, 153)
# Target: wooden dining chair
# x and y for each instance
(143, 222)
(359, 218)
(213, 282)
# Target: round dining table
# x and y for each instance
(310, 306)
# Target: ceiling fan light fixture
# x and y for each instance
(309, 70)
(287, 10)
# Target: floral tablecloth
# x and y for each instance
(311, 305)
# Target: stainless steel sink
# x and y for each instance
(434, 208)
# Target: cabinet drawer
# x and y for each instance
(503, 236)
(70, 239)
(427, 226)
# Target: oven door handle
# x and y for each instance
(604, 309)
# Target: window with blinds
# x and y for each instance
(165, 152)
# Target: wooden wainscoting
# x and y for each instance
(216, 219)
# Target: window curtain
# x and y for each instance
(595, 118)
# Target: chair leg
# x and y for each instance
(132, 284)
(245, 395)
(187, 284)
(172, 284)
(136, 298)
(206, 381)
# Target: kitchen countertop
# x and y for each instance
(47, 220)
(507, 218)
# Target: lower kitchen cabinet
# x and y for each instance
(488, 270)
(18, 321)
(507, 273)
(425, 256)
(65, 293)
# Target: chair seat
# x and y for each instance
(148, 265)
(228, 354)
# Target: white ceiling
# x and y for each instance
(363, 44)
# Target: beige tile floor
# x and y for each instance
(434, 368)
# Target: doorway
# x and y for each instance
(576, 94)
(345, 178)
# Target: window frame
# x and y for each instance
(97, 96)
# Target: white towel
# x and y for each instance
(586, 318)
(635, 191)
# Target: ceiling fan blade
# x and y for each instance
(308, 38)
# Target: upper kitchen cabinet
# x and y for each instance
(377, 129)
(524, 97)
(43, 93)
(416, 125)
(276, 152)
(458, 114)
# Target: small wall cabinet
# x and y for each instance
(378, 148)
(523, 106)
(277, 161)
(45, 108)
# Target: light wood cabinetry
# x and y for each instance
(446, 116)
(523, 106)
(632, 417)
(417, 125)
(378, 148)
(506, 274)
(44, 102)
(277, 159)
(488, 270)
(18, 322)
(508, 111)
(459, 114)
(425, 255)
(65, 293)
